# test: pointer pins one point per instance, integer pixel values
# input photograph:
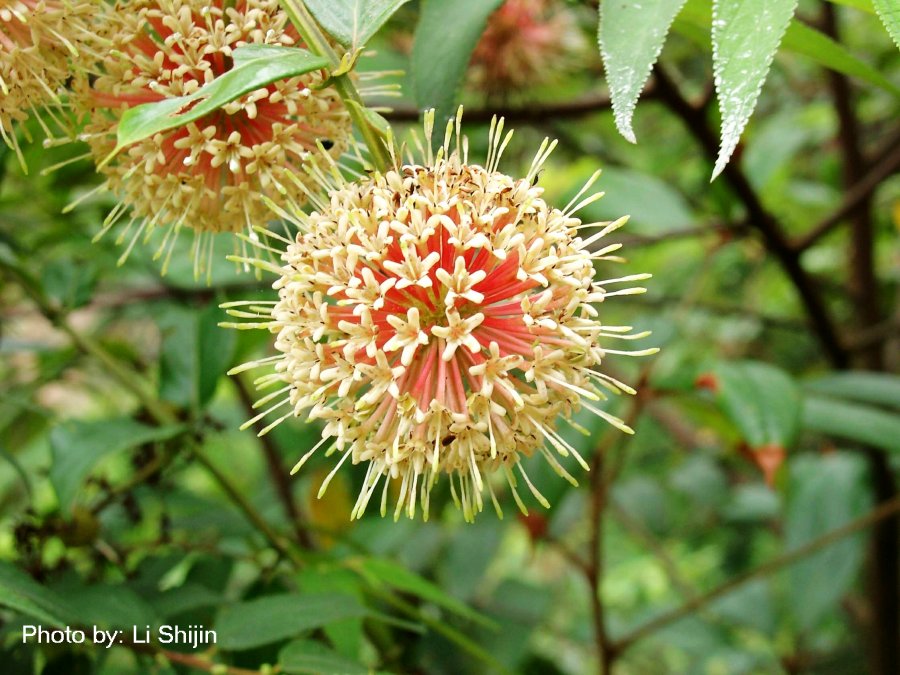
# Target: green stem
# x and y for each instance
(459, 639)
(317, 43)
(129, 379)
(278, 542)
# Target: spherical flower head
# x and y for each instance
(37, 40)
(439, 318)
(215, 174)
(526, 43)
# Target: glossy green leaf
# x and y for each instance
(305, 657)
(255, 66)
(852, 421)
(402, 579)
(631, 37)
(262, 621)
(889, 13)
(195, 353)
(761, 400)
(881, 389)
(77, 447)
(745, 37)
(20, 593)
(443, 43)
(353, 22)
(801, 39)
(826, 491)
(373, 119)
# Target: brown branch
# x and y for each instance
(673, 420)
(758, 218)
(885, 510)
(882, 167)
(883, 578)
(682, 586)
(189, 660)
(277, 472)
(580, 107)
(875, 335)
(720, 229)
(601, 481)
(863, 286)
(720, 309)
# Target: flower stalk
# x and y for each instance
(317, 43)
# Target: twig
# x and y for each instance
(759, 219)
(145, 473)
(885, 510)
(720, 309)
(640, 532)
(277, 472)
(863, 286)
(874, 335)
(601, 480)
(438, 626)
(721, 229)
(883, 578)
(580, 107)
(190, 660)
(883, 167)
(278, 543)
(129, 379)
(317, 43)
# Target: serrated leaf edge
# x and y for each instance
(623, 111)
(729, 142)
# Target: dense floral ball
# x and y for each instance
(37, 40)
(439, 317)
(526, 43)
(212, 175)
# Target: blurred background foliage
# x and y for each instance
(748, 527)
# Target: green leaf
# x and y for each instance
(305, 657)
(255, 66)
(108, 605)
(827, 491)
(881, 389)
(399, 577)
(70, 285)
(373, 119)
(862, 5)
(195, 354)
(467, 558)
(809, 42)
(21, 593)
(761, 400)
(801, 39)
(653, 205)
(631, 36)
(77, 446)
(262, 621)
(187, 597)
(353, 22)
(745, 37)
(443, 43)
(889, 12)
(852, 421)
